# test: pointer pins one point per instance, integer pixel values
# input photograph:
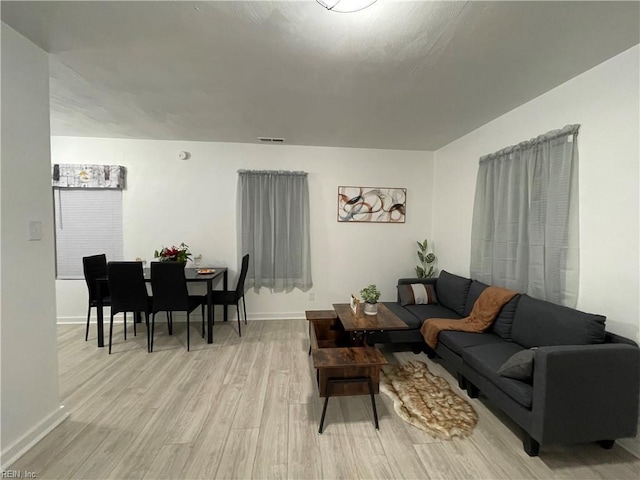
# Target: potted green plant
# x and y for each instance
(370, 295)
(425, 269)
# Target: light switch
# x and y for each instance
(35, 230)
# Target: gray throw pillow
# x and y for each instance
(417, 294)
(519, 366)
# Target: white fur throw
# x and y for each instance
(426, 401)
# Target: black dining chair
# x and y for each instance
(170, 294)
(233, 297)
(95, 267)
(128, 294)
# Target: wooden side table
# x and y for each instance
(348, 371)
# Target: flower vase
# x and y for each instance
(370, 308)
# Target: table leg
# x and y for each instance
(100, 315)
(225, 287)
(373, 404)
(324, 409)
(332, 381)
(210, 310)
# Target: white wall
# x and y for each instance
(30, 404)
(605, 101)
(168, 201)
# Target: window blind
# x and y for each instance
(88, 222)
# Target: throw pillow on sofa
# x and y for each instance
(417, 294)
(519, 366)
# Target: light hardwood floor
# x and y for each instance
(248, 408)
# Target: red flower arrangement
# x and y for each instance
(180, 253)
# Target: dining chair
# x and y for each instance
(128, 294)
(233, 297)
(170, 294)
(95, 267)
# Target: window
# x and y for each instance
(273, 208)
(525, 220)
(88, 222)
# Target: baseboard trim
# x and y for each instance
(74, 320)
(33, 436)
(273, 316)
(182, 318)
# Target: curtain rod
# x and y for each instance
(271, 172)
(568, 130)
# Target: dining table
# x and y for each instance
(193, 275)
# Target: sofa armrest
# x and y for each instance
(409, 281)
(585, 393)
(613, 338)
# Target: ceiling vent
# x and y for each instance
(270, 140)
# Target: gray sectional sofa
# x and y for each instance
(553, 370)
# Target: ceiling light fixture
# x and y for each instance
(346, 6)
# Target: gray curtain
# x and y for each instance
(525, 218)
(274, 228)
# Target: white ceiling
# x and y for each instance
(399, 75)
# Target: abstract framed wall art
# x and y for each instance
(372, 204)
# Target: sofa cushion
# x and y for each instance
(487, 359)
(503, 322)
(519, 366)
(405, 315)
(458, 341)
(422, 312)
(452, 291)
(417, 294)
(475, 289)
(414, 315)
(538, 323)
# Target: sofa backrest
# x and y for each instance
(538, 323)
(452, 291)
(475, 289)
(504, 321)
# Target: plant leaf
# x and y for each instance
(430, 258)
(421, 257)
(425, 245)
(419, 272)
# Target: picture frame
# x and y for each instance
(354, 304)
(372, 204)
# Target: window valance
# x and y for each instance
(267, 173)
(88, 176)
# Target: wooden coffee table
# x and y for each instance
(362, 323)
(345, 365)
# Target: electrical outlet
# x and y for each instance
(35, 230)
(312, 296)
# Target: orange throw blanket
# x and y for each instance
(484, 312)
